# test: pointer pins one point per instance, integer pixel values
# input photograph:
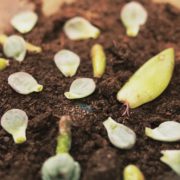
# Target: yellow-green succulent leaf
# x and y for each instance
(149, 81)
(132, 172)
(132, 31)
(98, 60)
(3, 63)
(32, 48)
(172, 159)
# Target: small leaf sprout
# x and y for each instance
(168, 131)
(80, 88)
(119, 135)
(30, 47)
(172, 159)
(79, 28)
(24, 21)
(98, 60)
(133, 15)
(67, 62)
(3, 63)
(24, 83)
(62, 165)
(15, 122)
(149, 81)
(15, 47)
(132, 172)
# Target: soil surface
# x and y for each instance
(90, 146)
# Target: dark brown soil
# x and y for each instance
(98, 158)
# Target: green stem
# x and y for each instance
(64, 138)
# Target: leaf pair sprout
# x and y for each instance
(15, 122)
(119, 135)
(133, 15)
(79, 28)
(24, 83)
(62, 165)
(24, 21)
(16, 47)
(68, 62)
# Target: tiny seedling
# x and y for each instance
(24, 83)
(62, 165)
(24, 21)
(81, 88)
(15, 47)
(3, 63)
(119, 135)
(132, 172)
(79, 28)
(149, 81)
(98, 60)
(15, 122)
(168, 131)
(172, 159)
(67, 62)
(133, 15)
(30, 47)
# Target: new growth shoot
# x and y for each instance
(62, 166)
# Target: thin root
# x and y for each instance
(126, 110)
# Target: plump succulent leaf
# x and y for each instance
(119, 135)
(80, 88)
(132, 172)
(172, 159)
(24, 21)
(133, 15)
(61, 167)
(98, 60)
(3, 63)
(149, 81)
(168, 131)
(24, 83)
(15, 47)
(79, 28)
(15, 122)
(67, 62)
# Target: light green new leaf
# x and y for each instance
(80, 88)
(172, 159)
(79, 28)
(119, 135)
(24, 83)
(15, 122)
(149, 81)
(24, 21)
(133, 15)
(168, 131)
(67, 62)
